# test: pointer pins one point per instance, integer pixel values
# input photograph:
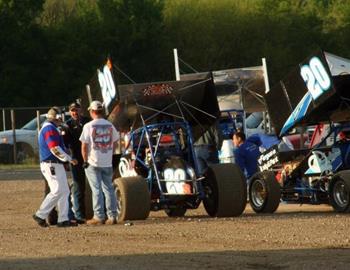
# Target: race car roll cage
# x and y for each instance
(146, 132)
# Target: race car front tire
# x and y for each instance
(339, 192)
(264, 192)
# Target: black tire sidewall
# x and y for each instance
(333, 202)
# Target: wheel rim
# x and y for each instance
(258, 192)
(341, 194)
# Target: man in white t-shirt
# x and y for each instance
(99, 139)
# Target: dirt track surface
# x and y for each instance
(296, 237)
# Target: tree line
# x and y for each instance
(50, 49)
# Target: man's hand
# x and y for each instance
(85, 165)
(74, 162)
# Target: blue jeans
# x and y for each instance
(206, 155)
(100, 181)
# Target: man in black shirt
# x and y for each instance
(71, 138)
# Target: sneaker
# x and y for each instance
(66, 223)
(41, 222)
(111, 221)
(94, 221)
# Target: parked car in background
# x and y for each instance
(26, 142)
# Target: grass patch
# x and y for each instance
(29, 163)
(18, 166)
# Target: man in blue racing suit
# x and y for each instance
(246, 154)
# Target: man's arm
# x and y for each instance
(84, 151)
(115, 146)
(52, 139)
(239, 160)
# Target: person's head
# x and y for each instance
(54, 115)
(238, 138)
(96, 109)
(74, 110)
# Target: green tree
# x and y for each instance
(133, 35)
(22, 53)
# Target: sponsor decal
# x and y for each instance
(268, 159)
(126, 167)
(174, 185)
(158, 90)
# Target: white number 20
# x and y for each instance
(107, 85)
(315, 77)
(171, 174)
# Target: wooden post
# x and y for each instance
(13, 123)
(3, 119)
(38, 120)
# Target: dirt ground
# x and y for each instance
(296, 237)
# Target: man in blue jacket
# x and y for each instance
(246, 154)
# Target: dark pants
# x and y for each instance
(206, 155)
(78, 191)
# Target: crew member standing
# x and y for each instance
(99, 140)
(52, 156)
(74, 128)
(207, 147)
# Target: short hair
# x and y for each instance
(54, 113)
(240, 135)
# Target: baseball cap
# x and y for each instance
(54, 113)
(95, 106)
(74, 105)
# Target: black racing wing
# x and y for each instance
(194, 101)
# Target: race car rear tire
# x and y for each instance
(133, 198)
(339, 192)
(175, 212)
(264, 192)
(225, 190)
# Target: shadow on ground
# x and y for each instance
(274, 259)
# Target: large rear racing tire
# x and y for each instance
(339, 192)
(264, 192)
(133, 198)
(225, 190)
